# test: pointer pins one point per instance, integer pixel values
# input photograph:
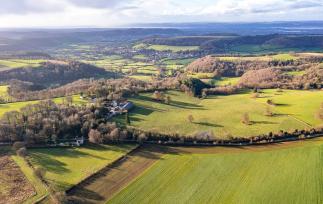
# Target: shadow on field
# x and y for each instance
(282, 104)
(263, 122)
(207, 124)
(48, 158)
(179, 104)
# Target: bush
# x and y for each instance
(18, 145)
(40, 173)
(60, 197)
(22, 152)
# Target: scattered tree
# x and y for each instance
(40, 172)
(95, 136)
(245, 119)
(269, 111)
(22, 152)
(18, 145)
(190, 118)
(127, 118)
(167, 99)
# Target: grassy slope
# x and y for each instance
(290, 175)
(68, 166)
(222, 114)
(281, 57)
(172, 48)
(3, 92)
(18, 63)
(223, 81)
(17, 106)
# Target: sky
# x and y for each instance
(115, 13)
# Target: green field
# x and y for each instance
(3, 92)
(224, 81)
(18, 63)
(222, 114)
(291, 173)
(68, 166)
(18, 105)
(173, 48)
(280, 57)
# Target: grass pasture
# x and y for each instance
(224, 81)
(222, 114)
(18, 63)
(279, 57)
(68, 166)
(18, 105)
(290, 173)
(172, 48)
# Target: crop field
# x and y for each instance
(18, 105)
(66, 167)
(293, 110)
(282, 173)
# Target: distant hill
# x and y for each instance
(54, 73)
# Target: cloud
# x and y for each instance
(118, 12)
(31, 6)
(100, 4)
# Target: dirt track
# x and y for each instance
(102, 187)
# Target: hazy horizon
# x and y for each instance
(123, 13)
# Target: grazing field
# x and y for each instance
(282, 173)
(18, 105)
(223, 114)
(224, 81)
(3, 92)
(68, 166)
(173, 48)
(280, 57)
(18, 63)
(14, 186)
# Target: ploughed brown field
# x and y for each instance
(14, 186)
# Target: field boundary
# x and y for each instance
(116, 176)
(84, 181)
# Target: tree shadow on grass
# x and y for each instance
(46, 158)
(263, 122)
(207, 124)
(282, 104)
(175, 103)
(83, 195)
(48, 163)
(185, 105)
